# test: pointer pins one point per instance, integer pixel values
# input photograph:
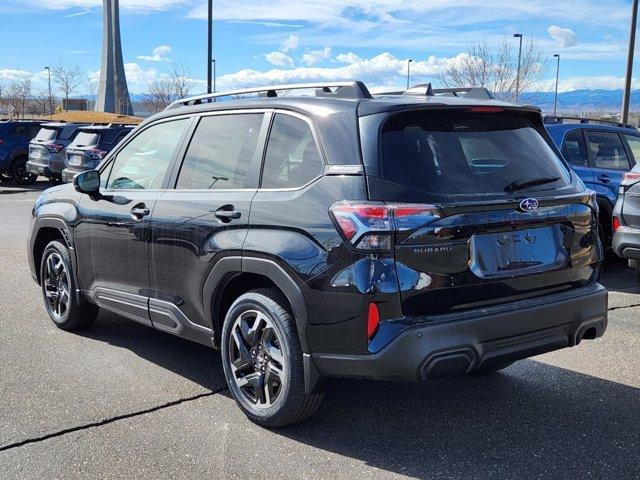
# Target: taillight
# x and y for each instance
(54, 148)
(373, 320)
(1, 141)
(96, 153)
(616, 224)
(630, 178)
(369, 225)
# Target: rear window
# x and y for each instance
(86, 139)
(462, 153)
(46, 134)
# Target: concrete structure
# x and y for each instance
(113, 94)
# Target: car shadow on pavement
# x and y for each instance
(617, 276)
(531, 420)
(7, 187)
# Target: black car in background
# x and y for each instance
(15, 136)
(89, 147)
(48, 148)
(399, 237)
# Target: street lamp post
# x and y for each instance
(518, 35)
(214, 75)
(632, 44)
(555, 99)
(210, 49)
(48, 69)
(408, 72)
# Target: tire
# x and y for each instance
(58, 284)
(260, 339)
(19, 174)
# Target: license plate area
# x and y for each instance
(517, 253)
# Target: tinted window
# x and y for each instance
(292, 158)
(608, 151)
(19, 130)
(46, 134)
(221, 152)
(85, 139)
(634, 144)
(574, 149)
(456, 153)
(143, 162)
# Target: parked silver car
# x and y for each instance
(47, 151)
(626, 219)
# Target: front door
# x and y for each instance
(119, 220)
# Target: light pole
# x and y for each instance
(210, 49)
(632, 45)
(408, 72)
(555, 99)
(518, 35)
(214, 75)
(48, 69)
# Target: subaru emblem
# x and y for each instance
(529, 205)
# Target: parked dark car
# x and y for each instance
(626, 219)
(14, 149)
(397, 237)
(48, 148)
(600, 152)
(90, 146)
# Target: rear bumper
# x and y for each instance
(39, 169)
(626, 243)
(423, 352)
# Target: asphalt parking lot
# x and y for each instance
(123, 401)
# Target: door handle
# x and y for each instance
(604, 178)
(140, 211)
(227, 213)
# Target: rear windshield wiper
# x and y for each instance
(515, 186)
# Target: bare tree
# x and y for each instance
(159, 95)
(92, 91)
(40, 104)
(19, 93)
(180, 79)
(68, 78)
(497, 69)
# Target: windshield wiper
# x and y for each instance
(515, 186)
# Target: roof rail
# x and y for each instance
(559, 120)
(342, 90)
(425, 89)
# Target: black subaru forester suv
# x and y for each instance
(399, 237)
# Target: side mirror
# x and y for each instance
(87, 182)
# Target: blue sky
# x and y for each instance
(279, 41)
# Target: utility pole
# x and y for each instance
(518, 35)
(48, 69)
(632, 45)
(210, 49)
(555, 99)
(214, 75)
(408, 72)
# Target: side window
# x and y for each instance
(574, 149)
(221, 152)
(608, 151)
(19, 131)
(292, 158)
(634, 144)
(143, 162)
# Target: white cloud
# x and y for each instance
(315, 56)
(291, 43)
(348, 58)
(564, 37)
(158, 54)
(279, 59)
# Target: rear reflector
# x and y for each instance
(616, 224)
(373, 320)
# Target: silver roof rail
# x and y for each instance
(354, 90)
(559, 120)
(425, 89)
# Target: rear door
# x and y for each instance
(576, 153)
(507, 219)
(609, 159)
(204, 216)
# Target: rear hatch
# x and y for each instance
(630, 189)
(489, 213)
(83, 151)
(44, 145)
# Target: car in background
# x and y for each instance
(90, 146)
(14, 149)
(626, 219)
(48, 148)
(600, 153)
